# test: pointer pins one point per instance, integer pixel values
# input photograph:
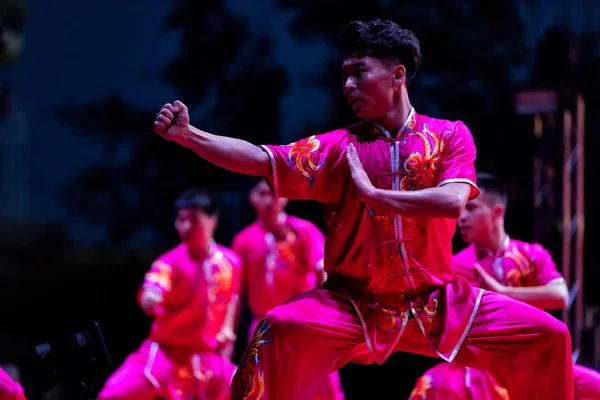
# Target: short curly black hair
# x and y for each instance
(383, 39)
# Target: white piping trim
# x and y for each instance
(402, 128)
(458, 180)
(556, 281)
(320, 265)
(196, 366)
(149, 363)
(467, 377)
(366, 332)
(462, 338)
(273, 169)
(395, 166)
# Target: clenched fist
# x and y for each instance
(150, 300)
(172, 121)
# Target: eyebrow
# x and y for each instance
(358, 63)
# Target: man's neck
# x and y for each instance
(275, 224)
(199, 251)
(494, 242)
(395, 119)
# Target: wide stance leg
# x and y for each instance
(587, 383)
(296, 346)
(331, 389)
(215, 373)
(445, 381)
(128, 382)
(527, 350)
(454, 381)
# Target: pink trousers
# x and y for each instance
(454, 381)
(331, 389)
(300, 342)
(587, 383)
(9, 389)
(153, 372)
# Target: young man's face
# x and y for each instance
(194, 226)
(368, 84)
(264, 201)
(477, 221)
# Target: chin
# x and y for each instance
(366, 114)
(467, 238)
(362, 114)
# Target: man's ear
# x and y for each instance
(399, 75)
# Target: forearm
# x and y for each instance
(230, 153)
(438, 202)
(150, 298)
(549, 297)
(229, 326)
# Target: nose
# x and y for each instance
(183, 226)
(349, 85)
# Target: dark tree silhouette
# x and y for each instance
(225, 74)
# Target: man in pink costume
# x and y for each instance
(517, 269)
(393, 186)
(192, 293)
(9, 389)
(282, 256)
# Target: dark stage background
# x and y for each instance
(87, 187)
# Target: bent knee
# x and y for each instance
(560, 331)
(555, 332)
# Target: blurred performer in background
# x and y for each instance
(192, 293)
(10, 389)
(282, 256)
(516, 269)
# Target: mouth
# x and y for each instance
(354, 101)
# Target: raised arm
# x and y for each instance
(173, 123)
